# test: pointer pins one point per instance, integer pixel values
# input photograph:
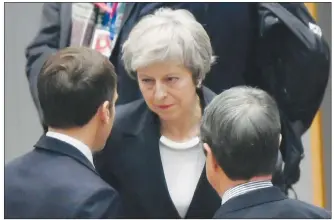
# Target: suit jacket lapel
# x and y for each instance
(55, 145)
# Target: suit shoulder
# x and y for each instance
(128, 111)
(99, 203)
(18, 161)
(309, 209)
(208, 92)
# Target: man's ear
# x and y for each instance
(210, 157)
(104, 112)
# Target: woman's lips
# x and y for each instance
(164, 106)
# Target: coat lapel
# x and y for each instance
(148, 169)
(158, 185)
(57, 146)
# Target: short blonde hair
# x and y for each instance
(169, 35)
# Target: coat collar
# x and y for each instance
(55, 145)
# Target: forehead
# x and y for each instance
(162, 69)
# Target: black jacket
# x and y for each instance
(131, 163)
(268, 203)
(56, 180)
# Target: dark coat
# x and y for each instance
(131, 163)
(56, 180)
(268, 203)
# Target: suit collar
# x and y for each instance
(252, 198)
(82, 147)
(55, 145)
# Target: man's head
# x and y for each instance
(241, 134)
(77, 90)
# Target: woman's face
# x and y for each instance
(168, 89)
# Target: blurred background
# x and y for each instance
(23, 129)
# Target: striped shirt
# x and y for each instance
(244, 188)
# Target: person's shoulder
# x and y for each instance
(94, 184)
(208, 92)
(99, 203)
(91, 199)
(20, 161)
(90, 182)
(127, 118)
(128, 112)
(208, 95)
(306, 209)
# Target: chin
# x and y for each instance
(167, 116)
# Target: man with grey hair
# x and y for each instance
(240, 131)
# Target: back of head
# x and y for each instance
(242, 128)
(72, 84)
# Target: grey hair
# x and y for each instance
(169, 35)
(242, 127)
(241, 110)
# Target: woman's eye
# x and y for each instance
(147, 80)
(172, 79)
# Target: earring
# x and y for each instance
(199, 84)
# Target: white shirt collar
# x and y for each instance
(244, 188)
(84, 149)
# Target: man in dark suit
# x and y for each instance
(241, 134)
(57, 179)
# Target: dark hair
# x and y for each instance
(72, 84)
(242, 128)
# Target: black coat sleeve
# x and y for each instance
(43, 45)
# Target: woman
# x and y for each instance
(154, 157)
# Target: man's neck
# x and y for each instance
(80, 134)
(223, 187)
